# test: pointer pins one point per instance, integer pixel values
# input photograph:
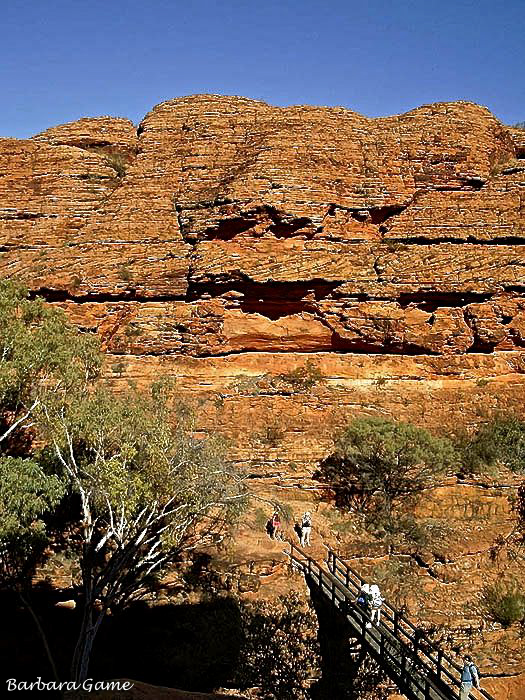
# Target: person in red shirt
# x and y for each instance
(277, 533)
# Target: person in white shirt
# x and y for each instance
(376, 602)
(306, 529)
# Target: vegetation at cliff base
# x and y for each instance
(499, 442)
(504, 602)
(138, 486)
(279, 653)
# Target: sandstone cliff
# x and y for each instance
(225, 239)
(291, 267)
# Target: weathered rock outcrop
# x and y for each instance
(291, 267)
(224, 227)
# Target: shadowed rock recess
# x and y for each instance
(292, 267)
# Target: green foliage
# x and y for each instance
(26, 493)
(148, 488)
(40, 351)
(272, 435)
(519, 125)
(279, 650)
(504, 602)
(127, 453)
(302, 378)
(379, 464)
(261, 518)
(125, 273)
(501, 441)
(118, 368)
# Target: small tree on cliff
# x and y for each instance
(501, 443)
(148, 489)
(379, 464)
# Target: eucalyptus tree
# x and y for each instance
(27, 493)
(40, 351)
(145, 484)
(148, 489)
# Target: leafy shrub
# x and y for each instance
(501, 441)
(302, 378)
(380, 464)
(504, 603)
(118, 162)
(272, 435)
(124, 273)
(261, 518)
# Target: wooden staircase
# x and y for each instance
(420, 669)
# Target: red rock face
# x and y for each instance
(230, 239)
(293, 267)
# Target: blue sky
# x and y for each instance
(61, 60)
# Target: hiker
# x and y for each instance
(277, 533)
(306, 529)
(469, 678)
(363, 601)
(376, 602)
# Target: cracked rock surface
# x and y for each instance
(230, 244)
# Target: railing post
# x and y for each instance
(333, 591)
(363, 624)
(396, 622)
(347, 578)
(427, 689)
(439, 663)
(403, 665)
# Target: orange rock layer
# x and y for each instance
(253, 239)
(293, 267)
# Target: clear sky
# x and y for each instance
(64, 59)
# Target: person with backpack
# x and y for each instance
(306, 529)
(469, 678)
(364, 601)
(376, 602)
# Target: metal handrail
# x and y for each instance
(342, 579)
(415, 639)
(360, 620)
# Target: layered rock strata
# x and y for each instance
(226, 228)
(292, 267)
